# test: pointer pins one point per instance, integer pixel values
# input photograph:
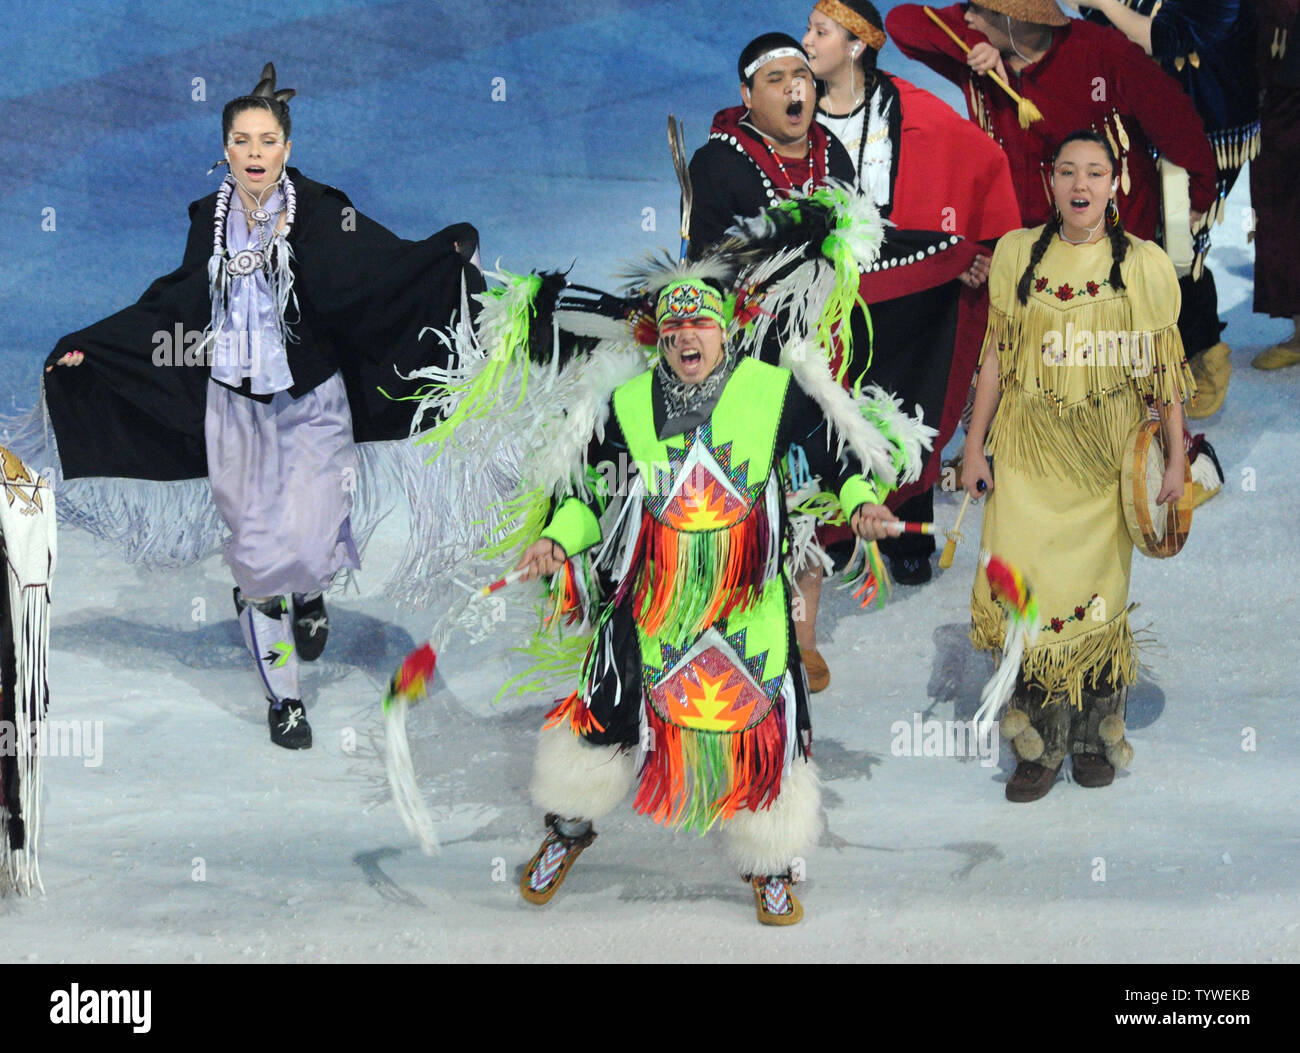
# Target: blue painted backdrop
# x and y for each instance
(99, 121)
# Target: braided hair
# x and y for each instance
(264, 96)
(1114, 227)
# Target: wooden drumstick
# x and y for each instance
(954, 535)
(1026, 112)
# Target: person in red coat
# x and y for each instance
(1077, 75)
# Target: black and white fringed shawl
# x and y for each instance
(27, 543)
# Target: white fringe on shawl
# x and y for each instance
(163, 525)
(534, 437)
(27, 522)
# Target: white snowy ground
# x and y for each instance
(302, 856)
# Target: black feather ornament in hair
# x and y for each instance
(264, 95)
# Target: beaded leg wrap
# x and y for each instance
(546, 871)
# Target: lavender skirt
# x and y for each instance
(283, 475)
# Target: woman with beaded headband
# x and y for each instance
(1082, 337)
(692, 685)
(290, 309)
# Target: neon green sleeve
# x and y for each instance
(857, 491)
(573, 526)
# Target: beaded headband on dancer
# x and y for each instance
(842, 15)
(772, 56)
(690, 300)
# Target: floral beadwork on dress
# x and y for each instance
(1065, 291)
(1080, 612)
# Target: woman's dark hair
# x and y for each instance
(265, 97)
(1115, 231)
(249, 102)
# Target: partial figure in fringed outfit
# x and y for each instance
(27, 554)
(1208, 46)
(259, 362)
(1082, 335)
(1272, 178)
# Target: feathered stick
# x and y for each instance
(677, 145)
(1008, 586)
(408, 686)
(1028, 113)
(870, 576)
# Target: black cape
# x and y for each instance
(364, 296)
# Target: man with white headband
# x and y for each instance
(761, 152)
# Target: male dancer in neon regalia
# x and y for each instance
(693, 681)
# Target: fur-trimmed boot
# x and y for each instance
(571, 777)
(1038, 729)
(1097, 742)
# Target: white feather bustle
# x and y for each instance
(770, 840)
(576, 780)
(910, 433)
(799, 297)
(868, 443)
(534, 437)
(556, 459)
